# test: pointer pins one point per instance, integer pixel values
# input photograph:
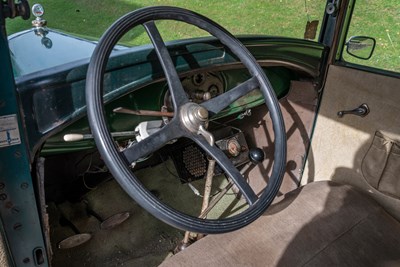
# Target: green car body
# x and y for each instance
(43, 95)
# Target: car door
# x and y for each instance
(362, 150)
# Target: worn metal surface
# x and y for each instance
(19, 214)
(57, 93)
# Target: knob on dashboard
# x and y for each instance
(256, 155)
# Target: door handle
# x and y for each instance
(361, 111)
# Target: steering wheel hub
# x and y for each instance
(193, 116)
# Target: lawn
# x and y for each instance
(93, 17)
(379, 19)
(90, 18)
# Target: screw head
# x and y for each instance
(17, 226)
(15, 210)
(24, 186)
(17, 154)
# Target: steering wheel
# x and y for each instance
(190, 120)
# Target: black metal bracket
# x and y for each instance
(12, 9)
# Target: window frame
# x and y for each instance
(339, 59)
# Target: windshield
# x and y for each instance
(73, 27)
(274, 18)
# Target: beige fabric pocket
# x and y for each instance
(381, 165)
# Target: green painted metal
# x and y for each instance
(18, 210)
(151, 98)
(54, 98)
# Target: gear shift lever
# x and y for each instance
(256, 155)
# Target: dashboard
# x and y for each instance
(53, 100)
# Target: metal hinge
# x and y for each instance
(12, 9)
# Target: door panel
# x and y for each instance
(340, 145)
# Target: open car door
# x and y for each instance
(356, 138)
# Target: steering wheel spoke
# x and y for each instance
(152, 143)
(220, 102)
(229, 169)
(176, 89)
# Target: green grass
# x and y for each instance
(379, 19)
(90, 18)
(93, 17)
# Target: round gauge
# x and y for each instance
(234, 147)
(37, 10)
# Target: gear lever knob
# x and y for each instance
(256, 155)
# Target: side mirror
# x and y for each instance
(361, 47)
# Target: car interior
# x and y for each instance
(214, 151)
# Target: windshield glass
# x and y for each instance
(73, 27)
(274, 18)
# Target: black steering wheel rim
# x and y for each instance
(118, 163)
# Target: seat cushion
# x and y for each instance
(322, 223)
